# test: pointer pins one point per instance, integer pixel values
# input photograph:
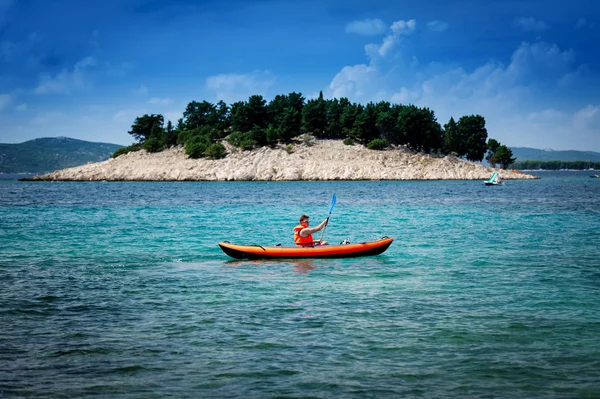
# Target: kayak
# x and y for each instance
(325, 251)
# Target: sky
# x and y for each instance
(87, 69)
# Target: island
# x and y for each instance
(289, 138)
(305, 160)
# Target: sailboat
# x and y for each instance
(494, 180)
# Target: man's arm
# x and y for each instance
(311, 230)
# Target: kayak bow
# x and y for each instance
(325, 251)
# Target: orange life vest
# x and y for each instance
(302, 241)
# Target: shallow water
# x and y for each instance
(119, 290)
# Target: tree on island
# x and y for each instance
(256, 122)
(492, 147)
(499, 154)
(504, 156)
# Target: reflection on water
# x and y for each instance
(301, 266)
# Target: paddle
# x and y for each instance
(330, 211)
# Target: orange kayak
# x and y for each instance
(326, 251)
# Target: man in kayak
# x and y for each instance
(303, 233)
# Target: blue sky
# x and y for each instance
(86, 69)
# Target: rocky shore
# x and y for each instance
(307, 159)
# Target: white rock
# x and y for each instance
(323, 160)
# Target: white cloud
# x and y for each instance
(518, 99)
(437, 26)
(354, 81)
(5, 99)
(161, 101)
(530, 24)
(403, 27)
(587, 118)
(398, 28)
(21, 107)
(540, 61)
(366, 27)
(66, 81)
(239, 87)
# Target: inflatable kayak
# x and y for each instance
(326, 251)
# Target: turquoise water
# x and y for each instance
(120, 290)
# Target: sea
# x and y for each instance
(119, 290)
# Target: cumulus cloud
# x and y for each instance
(5, 99)
(518, 98)
(437, 26)
(66, 81)
(355, 81)
(530, 24)
(239, 87)
(366, 27)
(398, 29)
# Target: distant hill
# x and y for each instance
(534, 154)
(52, 153)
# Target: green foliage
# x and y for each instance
(245, 115)
(377, 144)
(271, 134)
(314, 117)
(492, 147)
(215, 151)
(555, 165)
(333, 126)
(387, 116)
(125, 150)
(472, 131)
(183, 136)
(196, 146)
(241, 140)
(348, 117)
(147, 125)
(152, 144)
(258, 135)
(169, 137)
(452, 141)
(348, 141)
(365, 124)
(201, 114)
(503, 156)
(418, 129)
(290, 124)
(256, 123)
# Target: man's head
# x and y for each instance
(304, 220)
